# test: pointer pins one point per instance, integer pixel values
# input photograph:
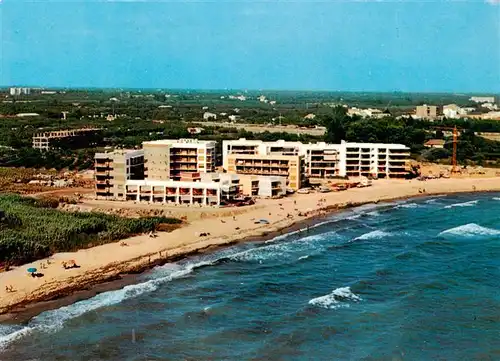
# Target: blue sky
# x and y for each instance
(306, 45)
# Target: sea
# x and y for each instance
(408, 280)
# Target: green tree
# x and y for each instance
(335, 124)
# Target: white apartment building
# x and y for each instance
(19, 91)
(166, 159)
(373, 159)
(324, 160)
(482, 99)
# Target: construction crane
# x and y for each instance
(454, 168)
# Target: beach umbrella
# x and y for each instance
(31, 270)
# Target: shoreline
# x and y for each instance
(24, 312)
(116, 275)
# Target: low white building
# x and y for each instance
(453, 111)
(208, 116)
(365, 113)
(490, 106)
(488, 99)
(179, 192)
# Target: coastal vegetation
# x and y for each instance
(149, 115)
(32, 229)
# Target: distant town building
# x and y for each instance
(19, 91)
(310, 116)
(209, 116)
(24, 115)
(489, 116)
(194, 130)
(434, 143)
(365, 113)
(238, 97)
(453, 111)
(427, 111)
(73, 137)
(489, 106)
(488, 99)
(233, 118)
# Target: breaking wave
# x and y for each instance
(464, 204)
(471, 229)
(496, 198)
(377, 234)
(53, 320)
(280, 250)
(407, 205)
(336, 299)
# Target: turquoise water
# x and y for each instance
(413, 280)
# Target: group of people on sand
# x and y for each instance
(9, 289)
(69, 264)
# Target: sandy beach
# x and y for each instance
(107, 262)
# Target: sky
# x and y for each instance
(428, 46)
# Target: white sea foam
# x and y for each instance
(335, 299)
(377, 234)
(496, 198)
(373, 214)
(464, 204)
(303, 257)
(408, 205)
(281, 250)
(471, 229)
(54, 320)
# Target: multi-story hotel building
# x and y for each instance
(321, 160)
(113, 169)
(167, 159)
(373, 159)
(289, 166)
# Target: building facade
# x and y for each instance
(482, 99)
(289, 166)
(373, 159)
(427, 111)
(260, 186)
(167, 159)
(45, 141)
(321, 160)
(179, 192)
(113, 169)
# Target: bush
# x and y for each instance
(32, 228)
